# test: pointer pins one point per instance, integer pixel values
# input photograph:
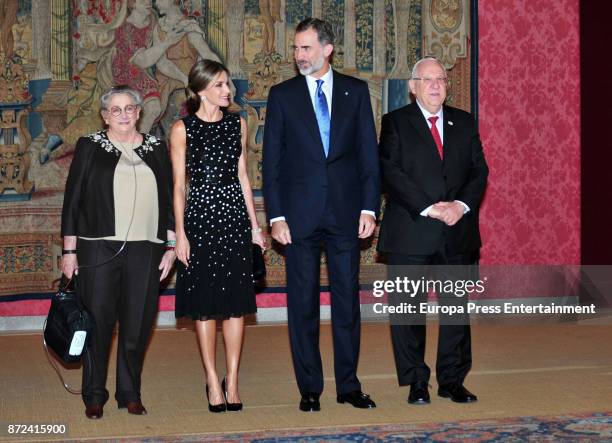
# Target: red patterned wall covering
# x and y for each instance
(529, 112)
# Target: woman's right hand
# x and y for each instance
(182, 249)
(69, 265)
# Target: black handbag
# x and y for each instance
(69, 325)
(259, 264)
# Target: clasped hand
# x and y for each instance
(448, 212)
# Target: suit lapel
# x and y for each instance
(449, 134)
(303, 101)
(336, 114)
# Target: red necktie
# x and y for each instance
(436, 135)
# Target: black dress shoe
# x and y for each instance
(94, 412)
(419, 393)
(232, 407)
(358, 399)
(310, 402)
(457, 393)
(221, 407)
(133, 407)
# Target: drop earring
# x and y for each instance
(203, 98)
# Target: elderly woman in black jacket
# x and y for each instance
(117, 223)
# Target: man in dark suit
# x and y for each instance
(434, 172)
(321, 185)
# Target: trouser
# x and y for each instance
(126, 289)
(454, 356)
(303, 258)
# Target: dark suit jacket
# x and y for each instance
(89, 204)
(415, 177)
(298, 180)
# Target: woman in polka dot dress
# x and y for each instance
(215, 227)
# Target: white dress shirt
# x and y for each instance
(440, 127)
(327, 87)
(439, 122)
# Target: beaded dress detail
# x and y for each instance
(218, 283)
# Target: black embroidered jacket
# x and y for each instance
(89, 204)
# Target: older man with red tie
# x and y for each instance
(434, 172)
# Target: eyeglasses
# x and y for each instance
(427, 81)
(116, 111)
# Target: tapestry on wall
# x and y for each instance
(58, 56)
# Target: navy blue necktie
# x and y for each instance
(322, 112)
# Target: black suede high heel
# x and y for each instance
(221, 407)
(233, 407)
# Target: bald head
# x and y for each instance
(425, 60)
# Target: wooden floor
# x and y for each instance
(518, 370)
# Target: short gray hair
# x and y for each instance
(415, 68)
(120, 89)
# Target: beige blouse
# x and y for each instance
(125, 185)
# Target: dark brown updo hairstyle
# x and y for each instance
(200, 76)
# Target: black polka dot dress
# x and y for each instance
(218, 283)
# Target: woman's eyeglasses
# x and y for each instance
(116, 111)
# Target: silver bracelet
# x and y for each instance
(255, 230)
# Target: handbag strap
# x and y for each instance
(64, 284)
(54, 365)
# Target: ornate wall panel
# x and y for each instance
(446, 30)
(216, 27)
(364, 17)
(60, 39)
(66, 52)
(333, 11)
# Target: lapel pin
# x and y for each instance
(345, 92)
(450, 123)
